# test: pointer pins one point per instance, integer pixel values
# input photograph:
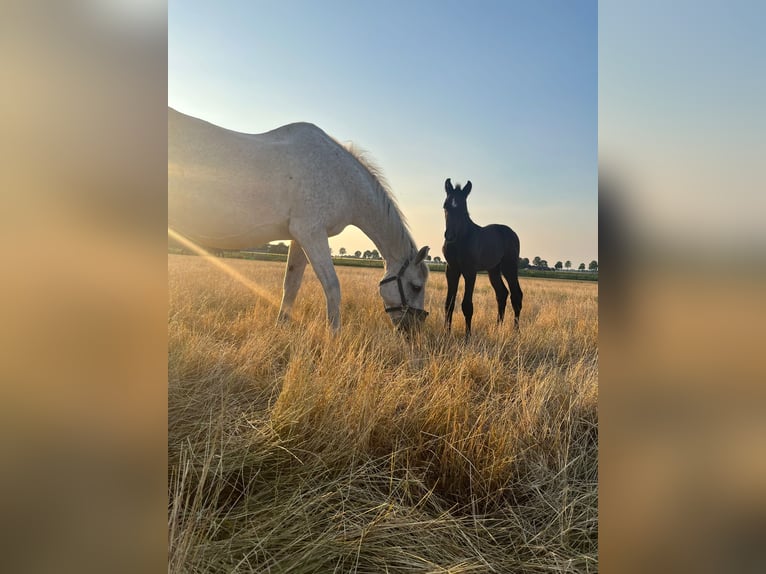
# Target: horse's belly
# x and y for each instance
(224, 220)
(232, 237)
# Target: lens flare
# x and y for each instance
(231, 272)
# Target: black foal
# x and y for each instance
(469, 248)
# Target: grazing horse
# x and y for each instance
(232, 190)
(469, 248)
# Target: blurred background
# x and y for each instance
(83, 321)
(682, 460)
(83, 401)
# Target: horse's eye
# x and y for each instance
(417, 288)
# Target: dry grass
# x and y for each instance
(293, 451)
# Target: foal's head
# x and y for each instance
(456, 210)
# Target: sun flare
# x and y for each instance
(231, 272)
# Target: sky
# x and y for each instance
(502, 93)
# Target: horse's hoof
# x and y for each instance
(283, 318)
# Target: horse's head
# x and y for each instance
(404, 289)
(456, 209)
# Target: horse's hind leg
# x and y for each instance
(511, 274)
(501, 293)
(296, 265)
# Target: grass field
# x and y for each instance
(291, 450)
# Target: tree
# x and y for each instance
(342, 251)
(523, 262)
(358, 254)
(367, 254)
(568, 264)
(279, 248)
(428, 258)
(582, 267)
(265, 248)
(437, 259)
(543, 264)
(536, 261)
(375, 254)
(593, 265)
(558, 265)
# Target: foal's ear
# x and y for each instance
(467, 188)
(448, 186)
(422, 254)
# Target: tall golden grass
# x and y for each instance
(291, 450)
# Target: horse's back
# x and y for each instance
(503, 237)
(508, 234)
(243, 189)
(195, 142)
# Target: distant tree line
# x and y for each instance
(540, 264)
(280, 248)
(343, 252)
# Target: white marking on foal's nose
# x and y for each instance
(454, 202)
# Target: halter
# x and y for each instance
(404, 307)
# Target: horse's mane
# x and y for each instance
(385, 197)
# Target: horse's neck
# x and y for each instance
(380, 221)
(468, 228)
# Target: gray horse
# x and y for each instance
(231, 190)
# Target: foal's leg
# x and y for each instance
(501, 293)
(317, 249)
(296, 265)
(511, 273)
(453, 278)
(467, 305)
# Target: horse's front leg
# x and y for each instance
(453, 278)
(296, 265)
(317, 249)
(467, 305)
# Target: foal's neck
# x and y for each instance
(467, 227)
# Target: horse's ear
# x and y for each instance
(448, 186)
(422, 254)
(467, 188)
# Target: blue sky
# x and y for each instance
(502, 93)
